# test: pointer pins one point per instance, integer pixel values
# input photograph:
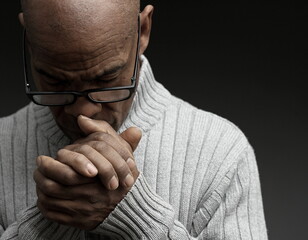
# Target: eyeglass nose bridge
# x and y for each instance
(84, 94)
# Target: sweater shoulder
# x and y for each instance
(16, 123)
(208, 123)
(217, 144)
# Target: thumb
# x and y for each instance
(88, 125)
(132, 136)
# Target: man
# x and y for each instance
(112, 153)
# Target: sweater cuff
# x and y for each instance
(33, 225)
(142, 214)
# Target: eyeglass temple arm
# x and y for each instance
(138, 48)
(25, 61)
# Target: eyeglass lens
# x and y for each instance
(100, 96)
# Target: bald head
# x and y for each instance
(77, 45)
(78, 20)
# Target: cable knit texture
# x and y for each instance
(199, 178)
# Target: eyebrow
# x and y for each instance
(107, 72)
(99, 77)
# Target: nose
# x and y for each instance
(83, 106)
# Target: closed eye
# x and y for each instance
(107, 78)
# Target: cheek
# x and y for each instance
(122, 108)
(118, 111)
(58, 114)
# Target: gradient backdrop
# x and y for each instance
(247, 63)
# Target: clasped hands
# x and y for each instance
(86, 181)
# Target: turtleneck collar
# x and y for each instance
(150, 102)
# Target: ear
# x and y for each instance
(21, 19)
(146, 25)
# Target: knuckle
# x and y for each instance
(69, 178)
(125, 154)
(122, 168)
(89, 192)
(105, 125)
(128, 146)
(93, 199)
(77, 157)
(99, 136)
(49, 187)
(41, 197)
(94, 196)
(62, 152)
(106, 170)
(84, 148)
(99, 145)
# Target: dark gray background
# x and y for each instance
(247, 63)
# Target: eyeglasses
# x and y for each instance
(98, 95)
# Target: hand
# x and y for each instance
(83, 206)
(69, 191)
(103, 152)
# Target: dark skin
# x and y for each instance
(88, 178)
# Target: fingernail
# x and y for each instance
(38, 161)
(139, 130)
(91, 169)
(84, 117)
(129, 181)
(113, 183)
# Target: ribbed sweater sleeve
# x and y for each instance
(230, 212)
(1, 230)
(32, 225)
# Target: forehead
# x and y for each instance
(77, 31)
(86, 49)
(84, 56)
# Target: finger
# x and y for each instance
(132, 136)
(78, 161)
(89, 126)
(105, 169)
(119, 165)
(133, 167)
(49, 187)
(124, 151)
(109, 139)
(60, 172)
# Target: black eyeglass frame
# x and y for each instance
(85, 93)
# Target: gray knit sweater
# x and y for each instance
(199, 178)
